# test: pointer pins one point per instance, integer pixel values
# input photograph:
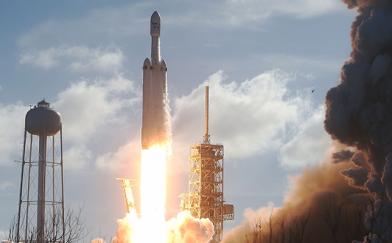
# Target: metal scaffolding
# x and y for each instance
(205, 197)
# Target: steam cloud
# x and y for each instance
(182, 229)
(98, 240)
(187, 229)
(124, 228)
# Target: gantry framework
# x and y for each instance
(205, 197)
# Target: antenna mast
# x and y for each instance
(206, 115)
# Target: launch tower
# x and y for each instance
(205, 197)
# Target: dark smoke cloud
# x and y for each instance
(357, 176)
(387, 177)
(359, 159)
(342, 156)
(359, 110)
(366, 3)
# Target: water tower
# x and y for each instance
(41, 197)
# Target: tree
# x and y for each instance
(73, 225)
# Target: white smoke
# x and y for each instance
(98, 240)
(187, 229)
(184, 228)
(124, 228)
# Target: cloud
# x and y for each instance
(121, 159)
(249, 117)
(110, 24)
(4, 185)
(123, 22)
(310, 143)
(11, 132)
(87, 105)
(244, 12)
(311, 65)
(77, 157)
(75, 58)
(90, 109)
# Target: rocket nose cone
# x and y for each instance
(155, 17)
(155, 24)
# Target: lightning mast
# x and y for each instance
(205, 197)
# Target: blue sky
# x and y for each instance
(261, 58)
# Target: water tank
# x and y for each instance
(42, 120)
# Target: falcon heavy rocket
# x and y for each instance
(155, 117)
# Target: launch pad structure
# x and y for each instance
(205, 196)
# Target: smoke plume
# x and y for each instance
(350, 198)
(187, 229)
(359, 110)
(98, 240)
(184, 228)
(124, 228)
(321, 207)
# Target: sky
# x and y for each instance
(268, 64)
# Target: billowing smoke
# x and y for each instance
(98, 240)
(184, 228)
(321, 207)
(187, 229)
(359, 110)
(125, 228)
(349, 198)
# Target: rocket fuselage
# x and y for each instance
(155, 117)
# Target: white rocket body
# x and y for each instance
(155, 117)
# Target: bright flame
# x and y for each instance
(153, 184)
(150, 226)
(152, 196)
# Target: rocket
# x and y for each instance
(155, 116)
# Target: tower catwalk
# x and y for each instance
(205, 197)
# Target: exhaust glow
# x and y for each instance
(152, 196)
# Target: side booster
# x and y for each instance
(155, 117)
